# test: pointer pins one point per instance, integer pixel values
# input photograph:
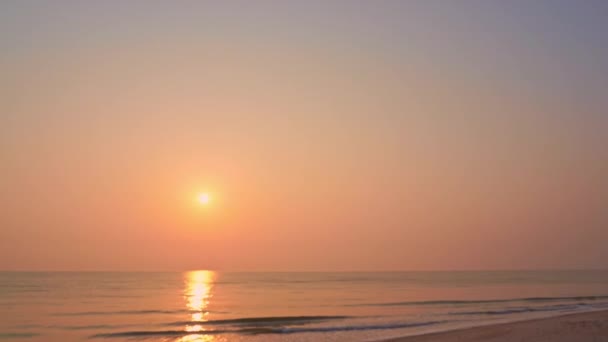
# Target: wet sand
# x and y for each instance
(583, 327)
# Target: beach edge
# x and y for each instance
(570, 327)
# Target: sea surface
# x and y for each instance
(218, 306)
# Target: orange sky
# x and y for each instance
(381, 138)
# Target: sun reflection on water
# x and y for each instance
(197, 295)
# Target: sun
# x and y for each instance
(203, 198)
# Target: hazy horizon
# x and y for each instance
(313, 271)
(303, 136)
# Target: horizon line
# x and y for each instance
(314, 271)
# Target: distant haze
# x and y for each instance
(354, 135)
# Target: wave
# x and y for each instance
(17, 335)
(263, 320)
(263, 330)
(514, 310)
(129, 312)
(357, 327)
(91, 327)
(486, 301)
(165, 333)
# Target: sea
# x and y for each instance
(215, 306)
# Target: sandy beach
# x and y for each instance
(587, 327)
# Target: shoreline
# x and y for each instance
(572, 327)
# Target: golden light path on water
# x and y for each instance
(197, 294)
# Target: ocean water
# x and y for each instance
(217, 306)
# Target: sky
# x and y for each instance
(330, 135)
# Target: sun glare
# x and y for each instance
(203, 198)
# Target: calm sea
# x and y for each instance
(217, 306)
